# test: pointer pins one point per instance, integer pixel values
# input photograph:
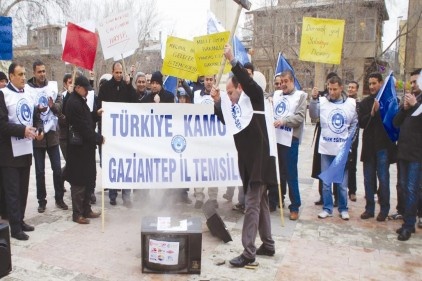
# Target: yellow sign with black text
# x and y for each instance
(322, 40)
(179, 60)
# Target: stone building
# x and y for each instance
(278, 29)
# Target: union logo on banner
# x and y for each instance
(80, 47)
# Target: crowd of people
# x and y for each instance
(35, 120)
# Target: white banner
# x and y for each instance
(166, 146)
(118, 35)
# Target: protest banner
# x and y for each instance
(6, 38)
(166, 146)
(118, 35)
(179, 60)
(80, 46)
(322, 40)
(208, 52)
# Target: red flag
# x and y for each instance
(80, 47)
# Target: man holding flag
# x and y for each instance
(338, 119)
(376, 146)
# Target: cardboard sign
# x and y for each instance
(118, 35)
(179, 60)
(322, 40)
(209, 51)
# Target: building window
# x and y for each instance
(350, 30)
(365, 29)
(45, 39)
(348, 75)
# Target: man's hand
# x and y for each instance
(314, 93)
(215, 93)
(127, 79)
(375, 107)
(100, 112)
(39, 135)
(42, 108)
(30, 132)
(70, 88)
(228, 53)
(50, 102)
(157, 98)
(409, 101)
(278, 123)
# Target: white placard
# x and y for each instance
(166, 146)
(118, 35)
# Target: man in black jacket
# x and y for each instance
(409, 120)
(158, 93)
(242, 110)
(376, 149)
(116, 90)
(16, 135)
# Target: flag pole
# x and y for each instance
(280, 201)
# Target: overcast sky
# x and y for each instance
(187, 18)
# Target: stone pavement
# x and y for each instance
(307, 249)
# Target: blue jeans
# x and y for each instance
(409, 177)
(39, 157)
(112, 194)
(327, 196)
(378, 166)
(287, 160)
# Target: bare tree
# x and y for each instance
(31, 12)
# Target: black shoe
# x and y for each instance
(365, 215)
(27, 227)
(41, 207)
(93, 199)
(404, 235)
(241, 261)
(399, 230)
(61, 205)
(262, 251)
(20, 236)
(381, 217)
(113, 202)
(319, 202)
(273, 208)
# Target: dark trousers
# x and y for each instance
(257, 221)
(39, 157)
(81, 196)
(3, 211)
(15, 186)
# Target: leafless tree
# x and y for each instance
(31, 12)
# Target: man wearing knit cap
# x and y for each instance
(158, 94)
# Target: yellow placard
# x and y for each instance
(322, 40)
(179, 60)
(209, 51)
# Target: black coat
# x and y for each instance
(410, 139)
(80, 162)
(165, 97)
(256, 167)
(374, 136)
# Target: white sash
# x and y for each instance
(237, 116)
(335, 121)
(41, 96)
(205, 99)
(20, 108)
(285, 105)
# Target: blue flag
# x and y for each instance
(335, 172)
(170, 84)
(6, 38)
(283, 65)
(240, 51)
(389, 107)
